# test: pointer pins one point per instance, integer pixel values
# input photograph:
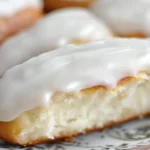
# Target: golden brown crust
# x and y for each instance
(136, 35)
(78, 41)
(56, 4)
(16, 23)
(102, 87)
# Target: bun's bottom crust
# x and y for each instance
(56, 4)
(16, 23)
(71, 114)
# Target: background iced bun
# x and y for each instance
(17, 15)
(56, 4)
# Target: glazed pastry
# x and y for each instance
(129, 18)
(16, 15)
(56, 4)
(67, 26)
(108, 81)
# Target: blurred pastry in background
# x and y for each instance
(74, 90)
(56, 4)
(62, 27)
(128, 18)
(16, 15)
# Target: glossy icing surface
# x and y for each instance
(68, 69)
(125, 16)
(53, 31)
(9, 7)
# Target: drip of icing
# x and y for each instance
(68, 69)
(125, 16)
(53, 31)
(9, 7)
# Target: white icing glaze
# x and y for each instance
(125, 16)
(9, 7)
(53, 31)
(71, 68)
